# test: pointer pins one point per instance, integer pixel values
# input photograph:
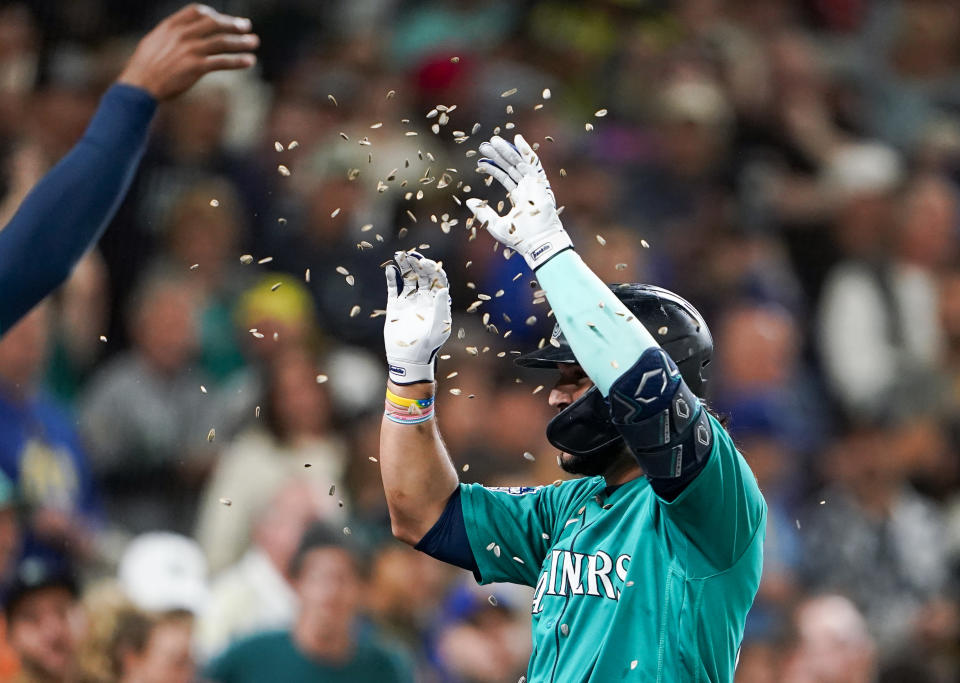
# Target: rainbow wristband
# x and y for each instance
(411, 415)
(403, 402)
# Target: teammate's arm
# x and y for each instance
(72, 204)
(418, 475)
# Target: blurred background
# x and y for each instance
(208, 384)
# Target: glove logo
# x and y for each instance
(540, 251)
(397, 370)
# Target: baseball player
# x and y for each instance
(643, 569)
(68, 210)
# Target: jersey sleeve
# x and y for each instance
(510, 529)
(720, 513)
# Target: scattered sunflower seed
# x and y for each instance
(226, 501)
(546, 93)
(528, 456)
(508, 93)
(455, 391)
(212, 434)
(283, 170)
(278, 146)
(214, 203)
(333, 99)
(600, 113)
(321, 379)
(266, 259)
(355, 311)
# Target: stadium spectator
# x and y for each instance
(832, 644)
(326, 641)
(145, 415)
(40, 450)
(40, 604)
(255, 593)
(872, 537)
(293, 437)
(153, 649)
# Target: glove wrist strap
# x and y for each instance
(409, 373)
(547, 247)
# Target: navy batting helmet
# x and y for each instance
(585, 427)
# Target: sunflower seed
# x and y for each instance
(212, 434)
(600, 113)
(355, 311)
(283, 170)
(278, 146)
(321, 379)
(226, 501)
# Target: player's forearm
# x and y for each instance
(605, 337)
(73, 203)
(418, 476)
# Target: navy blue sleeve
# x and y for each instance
(65, 214)
(447, 539)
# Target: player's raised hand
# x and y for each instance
(418, 317)
(185, 46)
(532, 227)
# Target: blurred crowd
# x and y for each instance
(189, 427)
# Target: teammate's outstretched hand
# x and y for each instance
(185, 46)
(532, 227)
(418, 317)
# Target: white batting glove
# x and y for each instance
(532, 228)
(418, 317)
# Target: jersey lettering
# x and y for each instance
(599, 567)
(568, 571)
(515, 490)
(570, 576)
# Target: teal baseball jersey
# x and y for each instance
(628, 586)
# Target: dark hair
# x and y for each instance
(130, 634)
(320, 535)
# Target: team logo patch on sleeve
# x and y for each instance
(514, 490)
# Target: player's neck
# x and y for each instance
(621, 472)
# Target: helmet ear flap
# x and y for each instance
(584, 427)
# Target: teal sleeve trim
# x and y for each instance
(605, 337)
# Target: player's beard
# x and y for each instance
(595, 464)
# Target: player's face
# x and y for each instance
(573, 384)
